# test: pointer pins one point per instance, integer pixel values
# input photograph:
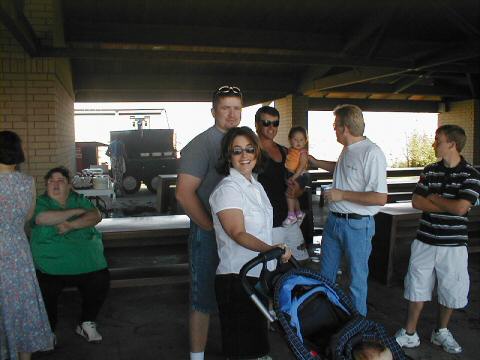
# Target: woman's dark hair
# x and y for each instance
(224, 164)
(11, 152)
(59, 169)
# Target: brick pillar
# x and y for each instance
(293, 112)
(36, 100)
(465, 114)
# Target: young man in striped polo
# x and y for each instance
(445, 193)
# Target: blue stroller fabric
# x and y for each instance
(355, 328)
(290, 305)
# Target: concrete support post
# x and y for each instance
(467, 115)
(293, 112)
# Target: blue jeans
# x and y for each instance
(352, 238)
(202, 251)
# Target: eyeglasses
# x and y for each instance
(237, 150)
(226, 89)
(267, 123)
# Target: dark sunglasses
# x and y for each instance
(228, 90)
(267, 123)
(239, 151)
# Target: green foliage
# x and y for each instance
(418, 152)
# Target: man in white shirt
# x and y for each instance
(359, 189)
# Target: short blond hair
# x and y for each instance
(350, 116)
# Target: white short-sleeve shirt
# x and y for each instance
(360, 167)
(236, 192)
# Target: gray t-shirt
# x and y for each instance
(199, 157)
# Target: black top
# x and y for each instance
(273, 181)
(460, 182)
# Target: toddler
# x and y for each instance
(296, 164)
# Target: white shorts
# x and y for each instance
(446, 264)
(293, 237)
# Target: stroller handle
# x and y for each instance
(261, 258)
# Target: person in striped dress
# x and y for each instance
(445, 193)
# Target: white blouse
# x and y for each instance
(236, 192)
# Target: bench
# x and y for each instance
(118, 232)
(149, 250)
(395, 229)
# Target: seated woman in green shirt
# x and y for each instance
(68, 251)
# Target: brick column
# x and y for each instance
(465, 114)
(293, 112)
(36, 100)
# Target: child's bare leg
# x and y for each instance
(292, 204)
(297, 205)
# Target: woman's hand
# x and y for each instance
(287, 255)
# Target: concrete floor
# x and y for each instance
(150, 322)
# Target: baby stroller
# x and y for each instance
(318, 321)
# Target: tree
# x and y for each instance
(418, 152)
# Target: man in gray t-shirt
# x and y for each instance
(197, 178)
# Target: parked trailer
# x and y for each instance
(150, 152)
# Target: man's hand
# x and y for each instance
(64, 227)
(334, 195)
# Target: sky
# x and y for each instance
(389, 130)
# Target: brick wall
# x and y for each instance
(464, 114)
(284, 107)
(293, 112)
(33, 101)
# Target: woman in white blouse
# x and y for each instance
(242, 218)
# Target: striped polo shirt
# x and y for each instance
(460, 182)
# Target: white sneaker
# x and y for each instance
(88, 329)
(444, 338)
(405, 340)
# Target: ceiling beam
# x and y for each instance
(322, 104)
(374, 29)
(352, 77)
(361, 75)
(460, 21)
(163, 34)
(182, 81)
(251, 97)
(199, 36)
(441, 91)
(220, 55)
(474, 85)
(12, 17)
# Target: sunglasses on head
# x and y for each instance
(223, 90)
(237, 150)
(267, 123)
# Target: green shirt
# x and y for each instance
(75, 252)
